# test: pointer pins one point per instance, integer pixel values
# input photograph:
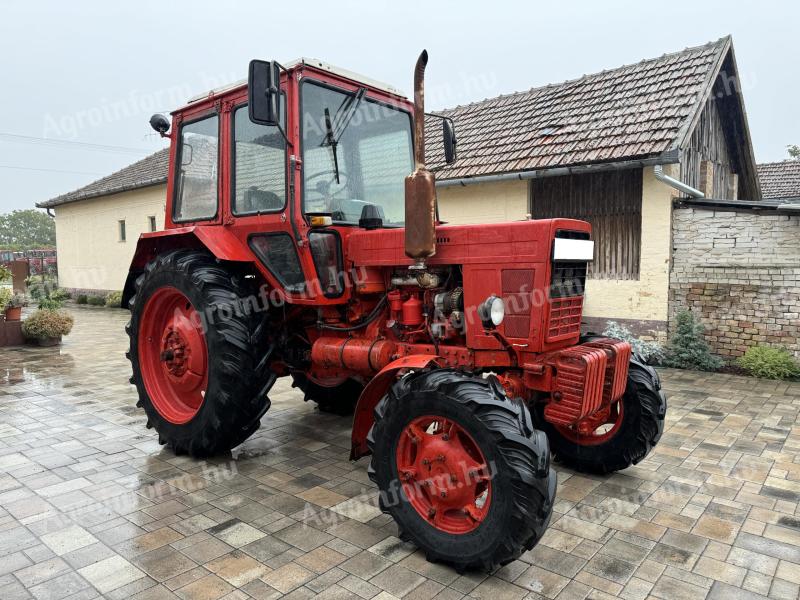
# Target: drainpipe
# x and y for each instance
(658, 171)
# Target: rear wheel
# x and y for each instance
(339, 399)
(626, 434)
(199, 359)
(461, 469)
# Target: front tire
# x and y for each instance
(199, 358)
(475, 490)
(638, 428)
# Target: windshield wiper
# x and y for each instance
(334, 130)
(330, 140)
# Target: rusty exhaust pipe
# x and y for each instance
(421, 184)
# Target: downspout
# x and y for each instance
(658, 171)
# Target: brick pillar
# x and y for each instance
(707, 178)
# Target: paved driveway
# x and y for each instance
(90, 504)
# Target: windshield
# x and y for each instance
(355, 152)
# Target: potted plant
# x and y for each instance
(14, 307)
(46, 327)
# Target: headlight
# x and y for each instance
(492, 311)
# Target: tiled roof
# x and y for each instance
(151, 170)
(780, 179)
(634, 111)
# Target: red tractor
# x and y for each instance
(297, 244)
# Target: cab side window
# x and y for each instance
(259, 173)
(198, 170)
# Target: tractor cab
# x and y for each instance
(289, 166)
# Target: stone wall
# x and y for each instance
(739, 271)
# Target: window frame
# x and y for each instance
(232, 161)
(122, 231)
(152, 223)
(177, 167)
(324, 84)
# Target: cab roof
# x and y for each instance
(311, 62)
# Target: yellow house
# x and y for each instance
(614, 148)
(97, 226)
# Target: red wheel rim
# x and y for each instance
(595, 431)
(444, 474)
(173, 355)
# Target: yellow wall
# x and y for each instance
(645, 299)
(483, 202)
(90, 255)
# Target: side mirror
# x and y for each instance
(264, 92)
(160, 123)
(449, 139)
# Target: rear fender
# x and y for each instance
(372, 394)
(219, 241)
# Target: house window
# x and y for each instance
(612, 202)
(121, 225)
(151, 221)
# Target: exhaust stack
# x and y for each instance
(421, 184)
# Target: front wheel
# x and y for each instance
(461, 469)
(633, 426)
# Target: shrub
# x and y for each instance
(44, 324)
(53, 300)
(5, 297)
(82, 299)
(39, 289)
(96, 300)
(17, 301)
(5, 273)
(114, 300)
(769, 363)
(651, 352)
(688, 349)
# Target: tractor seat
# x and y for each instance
(256, 200)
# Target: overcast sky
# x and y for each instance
(87, 75)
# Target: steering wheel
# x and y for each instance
(323, 188)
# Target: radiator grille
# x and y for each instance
(580, 375)
(564, 319)
(569, 279)
(517, 286)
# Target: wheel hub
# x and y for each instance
(173, 355)
(444, 475)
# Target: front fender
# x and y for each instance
(372, 394)
(217, 240)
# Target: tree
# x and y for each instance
(26, 230)
(688, 349)
(794, 151)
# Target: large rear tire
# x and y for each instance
(638, 428)
(199, 356)
(461, 469)
(338, 399)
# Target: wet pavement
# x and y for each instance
(91, 506)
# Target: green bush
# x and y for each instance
(651, 352)
(82, 299)
(114, 300)
(688, 349)
(44, 324)
(769, 363)
(5, 297)
(96, 300)
(39, 289)
(5, 273)
(53, 300)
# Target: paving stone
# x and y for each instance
(713, 511)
